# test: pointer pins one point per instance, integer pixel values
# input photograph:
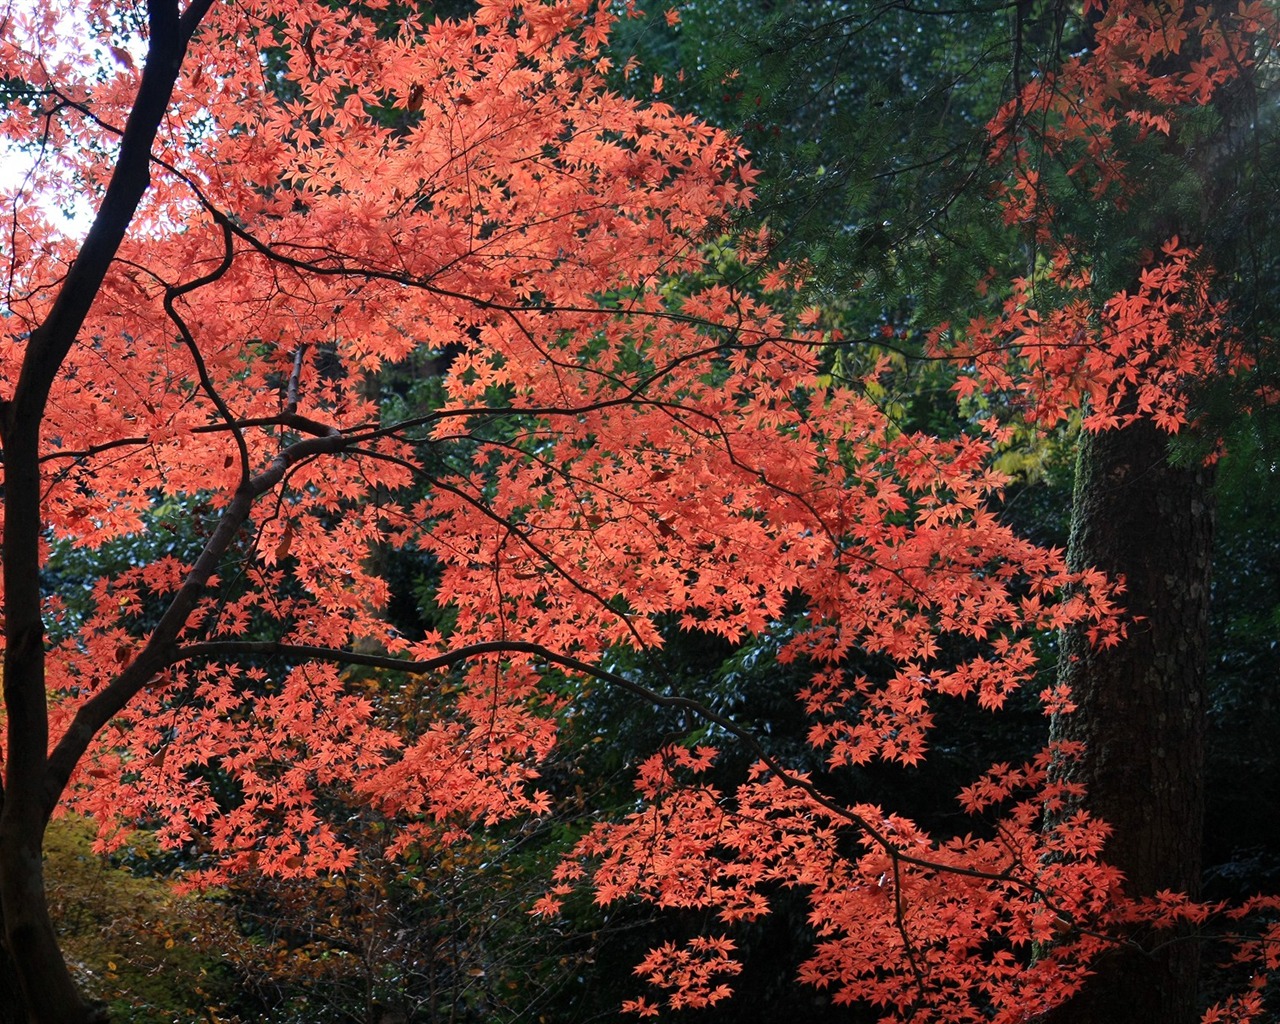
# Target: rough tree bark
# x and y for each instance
(1141, 704)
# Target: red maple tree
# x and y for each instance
(292, 197)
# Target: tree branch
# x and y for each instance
(231, 649)
(46, 349)
(158, 651)
(52, 340)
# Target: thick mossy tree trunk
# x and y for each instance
(1141, 704)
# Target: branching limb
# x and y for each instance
(158, 651)
(171, 295)
(233, 649)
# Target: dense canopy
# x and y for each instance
(625, 426)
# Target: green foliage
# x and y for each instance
(135, 945)
(867, 123)
(1243, 835)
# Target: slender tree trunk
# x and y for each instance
(30, 789)
(48, 991)
(1141, 705)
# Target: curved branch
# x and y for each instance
(157, 652)
(52, 340)
(46, 350)
(171, 295)
(79, 454)
(309, 652)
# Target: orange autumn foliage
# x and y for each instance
(329, 197)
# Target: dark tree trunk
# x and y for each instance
(31, 788)
(47, 992)
(1141, 704)
(13, 1008)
